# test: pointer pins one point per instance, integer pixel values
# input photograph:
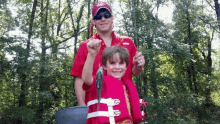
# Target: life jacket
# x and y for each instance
(113, 107)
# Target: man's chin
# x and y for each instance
(105, 30)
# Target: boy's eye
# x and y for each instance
(112, 62)
(121, 62)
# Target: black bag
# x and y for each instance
(72, 115)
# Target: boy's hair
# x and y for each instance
(110, 51)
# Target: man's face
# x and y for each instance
(103, 21)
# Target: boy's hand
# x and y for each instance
(93, 46)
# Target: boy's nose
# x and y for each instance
(117, 65)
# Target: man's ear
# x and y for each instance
(93, 22)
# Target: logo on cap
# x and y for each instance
(100, 4)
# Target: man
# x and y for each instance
(103, 21)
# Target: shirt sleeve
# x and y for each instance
(128, 43)
(133, 51)
(79, 60)
(91, 87)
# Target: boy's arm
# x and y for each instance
(87, 69)
(93, 47)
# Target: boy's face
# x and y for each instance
(116, 67)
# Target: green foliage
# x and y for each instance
(36, 81)
(10, 115)
(175, 93)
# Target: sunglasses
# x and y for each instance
(99, 16)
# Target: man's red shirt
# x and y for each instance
(80, 58)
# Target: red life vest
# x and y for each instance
(113, 106)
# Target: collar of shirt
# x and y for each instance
(115, 39)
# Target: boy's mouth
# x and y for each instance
(117, 72)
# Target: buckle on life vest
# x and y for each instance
(113, 102)
(117, 112)
(116, 101)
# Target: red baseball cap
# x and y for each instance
(97, 6)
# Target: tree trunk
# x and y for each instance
(78, 25)
(217, 10)
(190, 66)
(134, 23)
(43, 84)
(22, 98)
(88, 16)
(209, 72)
(77, 28)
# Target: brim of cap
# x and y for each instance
(99, 9)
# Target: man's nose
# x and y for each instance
(103, 18)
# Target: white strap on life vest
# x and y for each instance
(108, 101)
(110, 113)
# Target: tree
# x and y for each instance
(149, 36)
(191, 32)
(217, 10)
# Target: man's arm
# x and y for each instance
(77, 72)
(136, 71)
(80, 93)
(87, 69)
(86, 77)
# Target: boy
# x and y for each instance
(119, 98)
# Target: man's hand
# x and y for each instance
(139, 63)
(93, 46)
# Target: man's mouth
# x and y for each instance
(104, 24)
